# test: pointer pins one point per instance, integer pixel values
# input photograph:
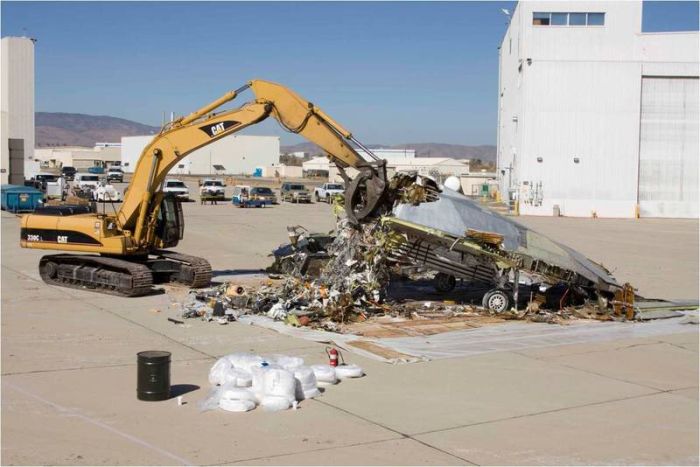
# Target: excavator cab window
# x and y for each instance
(171, 225)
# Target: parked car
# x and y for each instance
(96, 170)
(177, 187)
(212, 189)
(327, 191)
(246, 196)
(264, 193)
(115, 174)
(295, 193)
(68, 173)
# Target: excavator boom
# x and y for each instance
(200, 128)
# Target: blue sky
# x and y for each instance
(390, 72)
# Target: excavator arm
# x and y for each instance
(186, 134)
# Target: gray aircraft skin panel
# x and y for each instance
(454, 214)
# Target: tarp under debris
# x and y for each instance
(511, 336)
(454, 213)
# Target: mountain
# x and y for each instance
(486, 153)
(65, 129)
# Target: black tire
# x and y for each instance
(318, 198)
(445, 283)
(497, 300)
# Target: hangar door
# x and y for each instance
(668, 148)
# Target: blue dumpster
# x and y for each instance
(17, 198)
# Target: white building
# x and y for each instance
(280, 171)
(596, 117)
(17, 106)
(82, 158)
(438, 168)
(236, 154)
(317, 164)
(389, 154)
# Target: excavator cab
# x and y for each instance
(170, 225)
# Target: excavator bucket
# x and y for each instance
(365, 195)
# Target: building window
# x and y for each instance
(596, 19)
(540, 19)
(568, 19)
(559, 19)
(577, 19)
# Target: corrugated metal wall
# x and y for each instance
(668, 152)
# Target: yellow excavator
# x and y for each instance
(129, 246)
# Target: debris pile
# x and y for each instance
(242, 381)
(351, 286)
(328, 281)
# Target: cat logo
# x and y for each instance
(218, 128)
(62, 239)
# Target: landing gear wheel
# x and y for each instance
(497, 300)
(444, 283)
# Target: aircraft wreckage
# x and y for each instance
(440, 230)
(426, 231)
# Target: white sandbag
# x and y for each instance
(245, 361)
(219, 371)
(236, 405)
(235, 393)
(275, 403)
(305, 382)
(280, 383)
(306, 377)
(311, 393)
(244, 379)
(288, 363)
(211, 401)
(258, 379)
(258, 383)
(348, 371)
(325, 374)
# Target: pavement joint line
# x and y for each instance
(352, 445)
(75, 413)
(99, 307)
(591, 372)
(544, 412)
(62, 290)
(94, 305)
(680, 347)
(116, 365)
(404, 435)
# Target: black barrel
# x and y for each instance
(153, 375)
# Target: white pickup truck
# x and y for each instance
(327, 191)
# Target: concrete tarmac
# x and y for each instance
(69, 370)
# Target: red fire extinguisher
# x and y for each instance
(332, 356)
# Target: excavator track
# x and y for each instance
(196, 271)
(97, 273)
